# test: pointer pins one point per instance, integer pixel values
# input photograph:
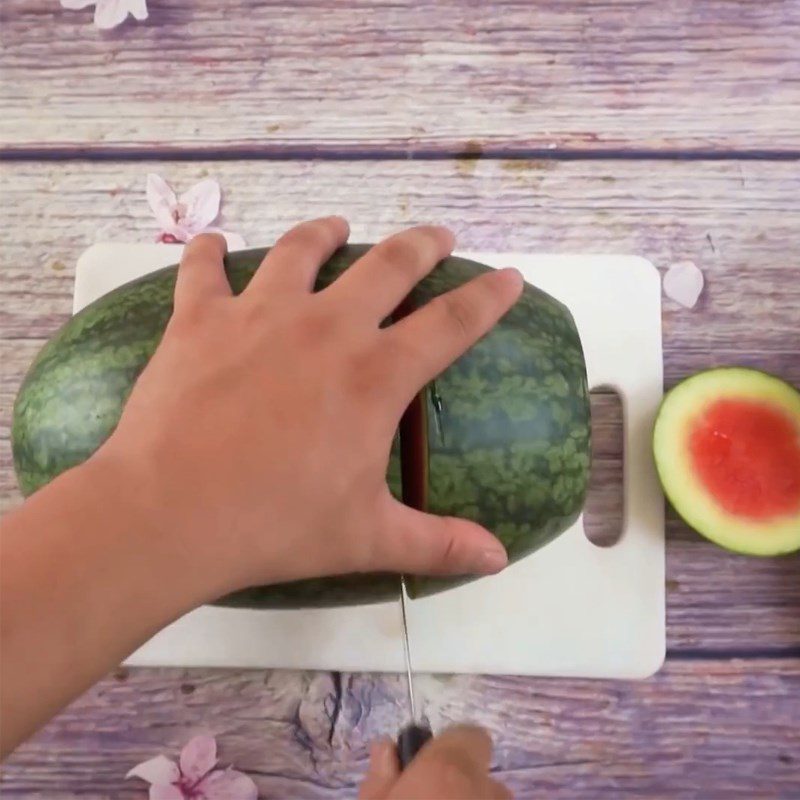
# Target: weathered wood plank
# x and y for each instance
(410, 76)
(699, 729)
(738, 221)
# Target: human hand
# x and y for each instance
(452, 766)
(260, 431)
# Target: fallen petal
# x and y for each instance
(110, 13)
(162, 200)
(158, 770)
(179, 233)
(202, 205)
(198, 757)
(229, 785)
(138, 8)
(683, 283)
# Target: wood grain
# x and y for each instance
(406, 77)
(700, 729)
(369, 80)
(738, 221)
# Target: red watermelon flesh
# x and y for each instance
(747, 454)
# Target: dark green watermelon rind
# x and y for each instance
(509, 430)
(109, 343)
(529, 430)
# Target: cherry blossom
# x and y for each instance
(182, 218)
(195, 777)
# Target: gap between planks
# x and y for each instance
(364, 152)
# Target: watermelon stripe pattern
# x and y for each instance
(508, 425)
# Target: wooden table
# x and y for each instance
(670, 130)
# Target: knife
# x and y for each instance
(413, 431)
(413, 462)
(414, 735)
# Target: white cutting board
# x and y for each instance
(571, 609)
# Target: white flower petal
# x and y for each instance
(202, 204)
(198, 757)
(110, 13)
(76, 4)
(162, 200)
(138, 8)
(180, 233)
(683, 283)
(158, 770)
(228, 785)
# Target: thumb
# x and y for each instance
(383, 771)
(425, 544)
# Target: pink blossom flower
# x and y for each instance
(182, 218)
(110, 13)
(196, 778)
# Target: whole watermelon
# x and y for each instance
(508, 425)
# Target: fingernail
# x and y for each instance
(517, 279)
(493, 559)
(211, 235)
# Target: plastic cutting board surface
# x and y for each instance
(570, 609)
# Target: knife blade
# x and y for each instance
(413, 432)
(413, 736)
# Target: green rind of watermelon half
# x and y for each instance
(727, 449)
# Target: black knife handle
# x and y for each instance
(410, 742)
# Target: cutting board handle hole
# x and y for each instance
(604, 511)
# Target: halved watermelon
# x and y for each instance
(727, 449)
